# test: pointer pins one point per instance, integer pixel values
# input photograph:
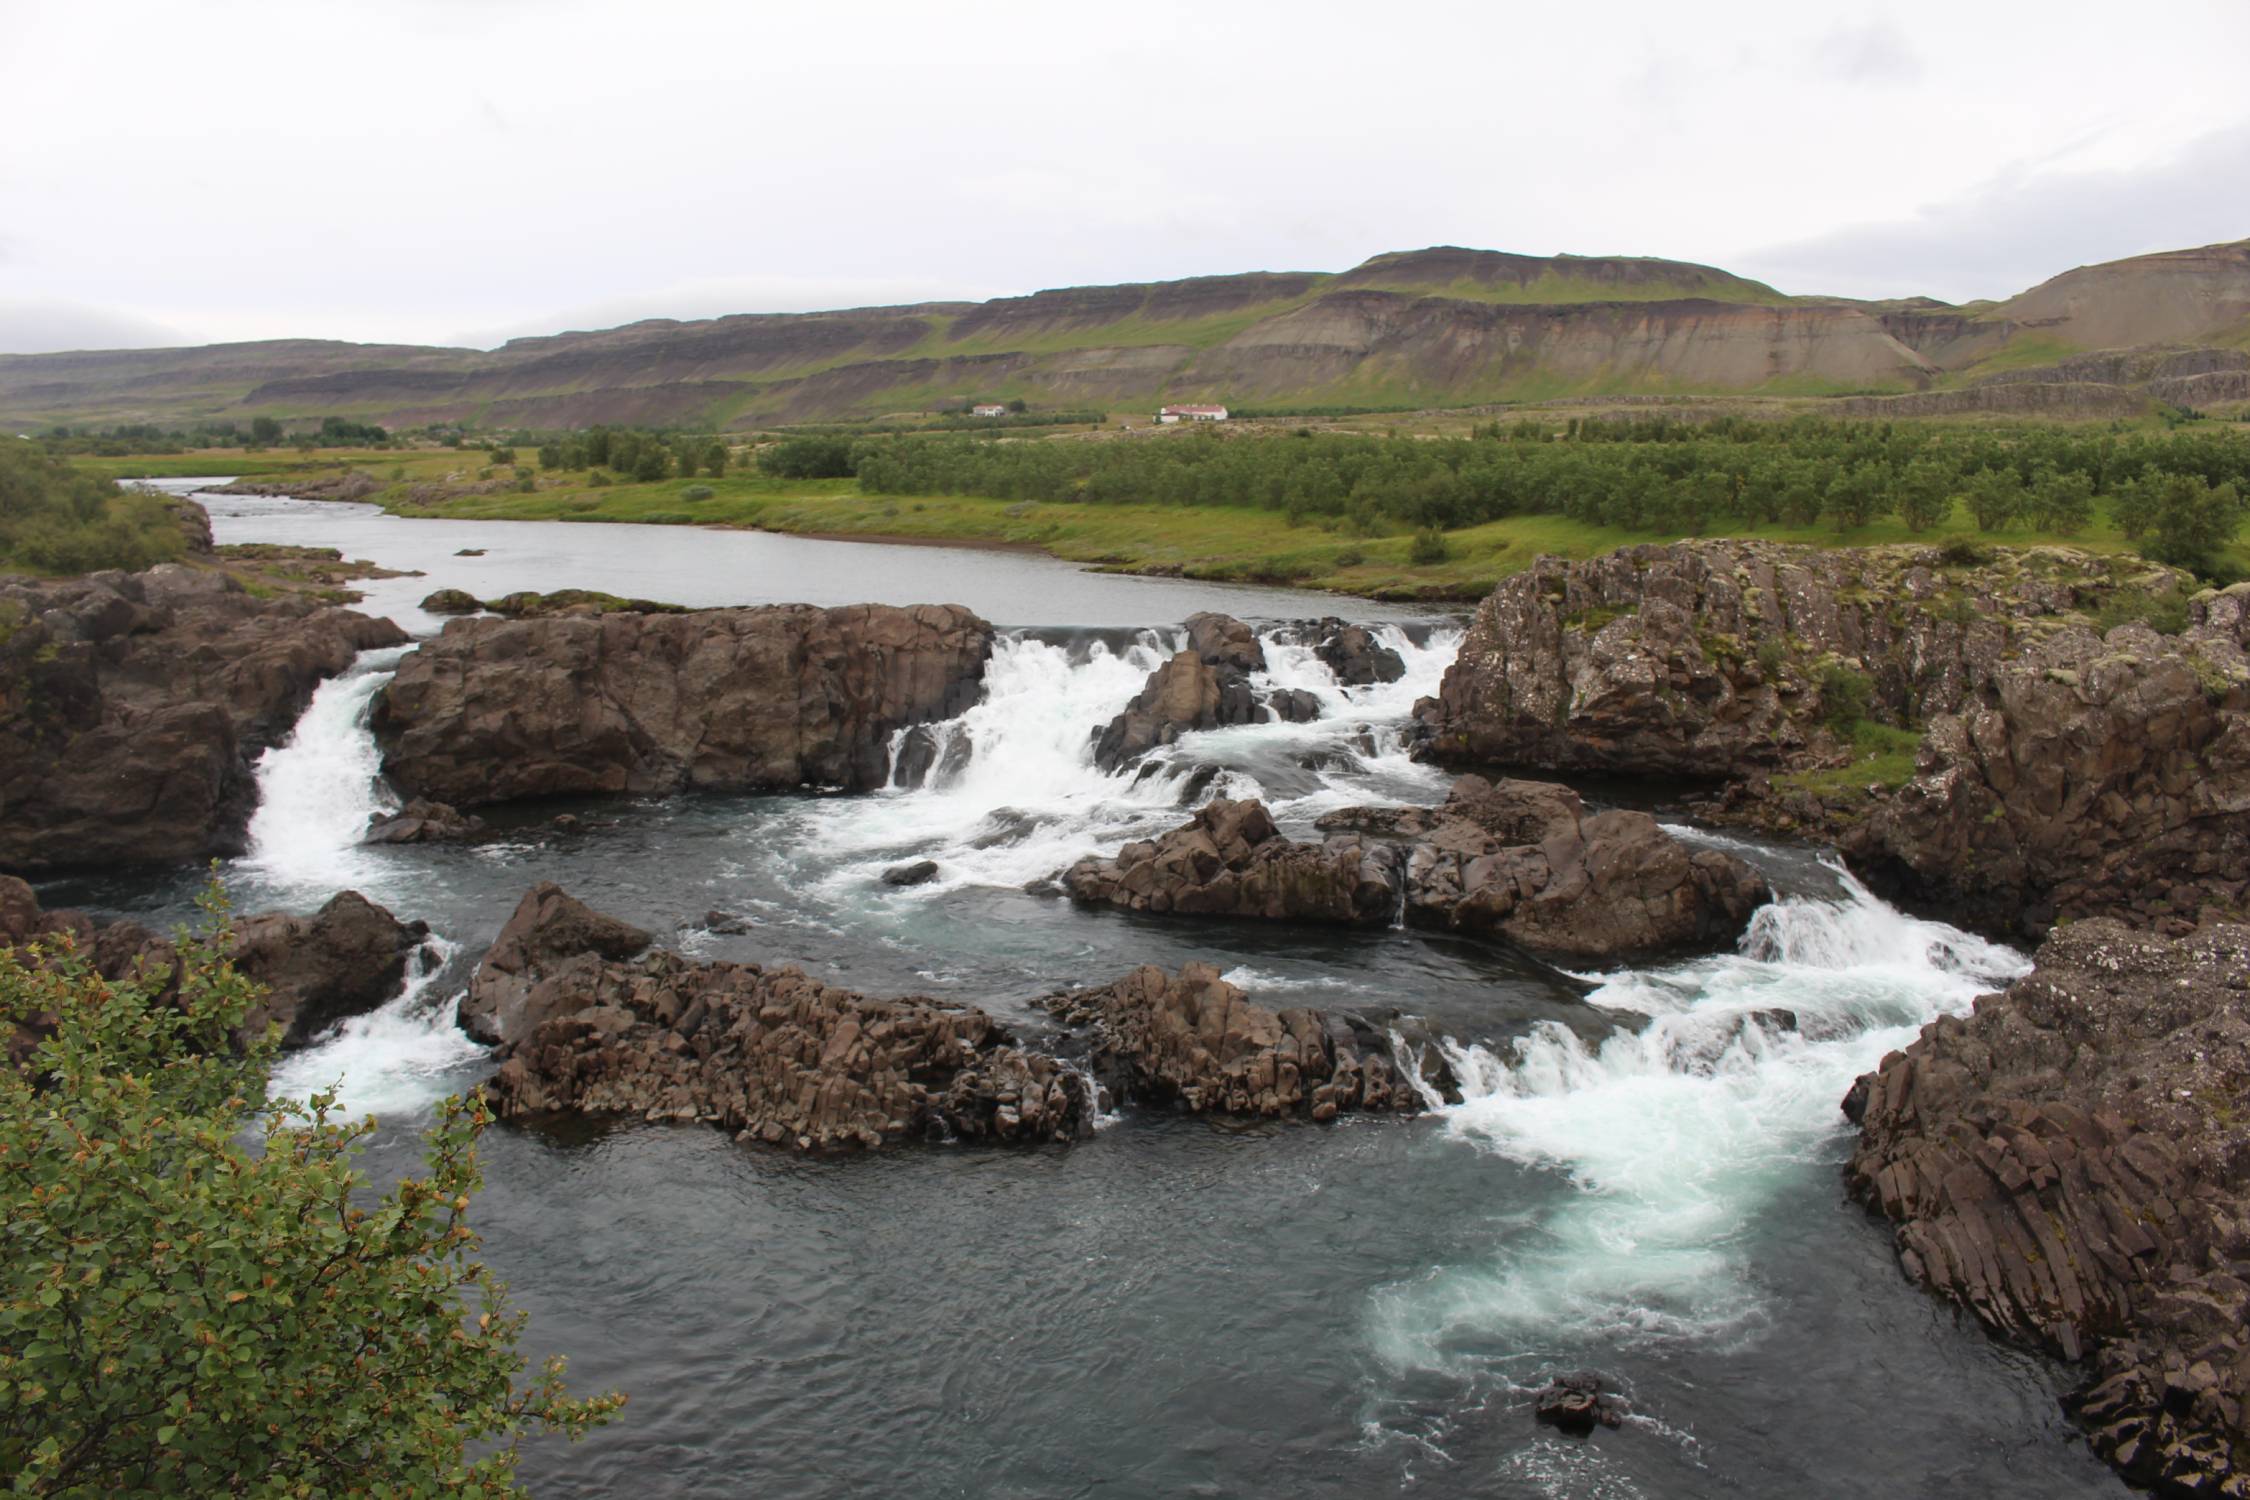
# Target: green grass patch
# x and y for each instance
(1882, 756)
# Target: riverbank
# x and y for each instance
(1227, 544)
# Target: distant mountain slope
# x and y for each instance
(1441, 326)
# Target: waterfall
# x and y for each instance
(1672, 1133)
(397, 1058)
(317, 790)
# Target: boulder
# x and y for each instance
(132, 707)
(451, 602)
(342, 961)
(421, 821)
(1578, 1402)
(551, 940)
(769, 1054)
(1354, 654)
(916, 872)
(1524, 860)
(1205, 686)
(631, 703)
(1196, 1041)
(2070, 1165)
(1230, 860)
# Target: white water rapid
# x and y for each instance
(317, 790)
(1720, 1085)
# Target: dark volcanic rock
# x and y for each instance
(1525, 860)
(1354, 654)
(1707, 658)
(771, 1055)
(1195, 1040)
(132, 707)
(2093, 774)
(764, 698)
(2072, 1166)
(1231, 861)
(451, 602)
(344, 960)
(1205, 686)
(551, 941)
(917, 872)
(422, 822)
(1578, 1403)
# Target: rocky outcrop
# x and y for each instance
(133, 705)
(2093, 774)
(739, 699)
(549, 945)
(451, 602)
(2070, 1164)
(1230, 860)
(1525, 861)
(344, 960)
(1205, 686)
(1353, 653)
(769, 1054)
(1196, 1041)
(1711, 658)
(422, 822)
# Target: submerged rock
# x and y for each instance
(132, 707)
(2070, 1165)
(1579, 1402)
(451, 602)
(743, 699)
(917, 872)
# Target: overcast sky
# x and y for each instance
(462, 171)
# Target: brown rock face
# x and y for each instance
(1194, 1040)
(1205, 686)
(133, 705)
(549, 946)
(769, 1054)
(1230, 860)
(344, 960)
(745, 699)
(2093, 774)
(1525, 861)
(422, 822)
(2069, 1164)
(1709, 658)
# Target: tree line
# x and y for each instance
(2180, 496)
(635, 454)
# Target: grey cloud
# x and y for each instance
(49, 327)
(2026, 224)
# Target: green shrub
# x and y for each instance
(697, 492)
(1429, 548)
(1350, 557)
(185, 1315)
(1845, 696)
(2165, 613)
(56, 520)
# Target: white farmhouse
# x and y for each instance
(989, 409)
(1192, 414)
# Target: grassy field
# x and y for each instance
(1213, 542)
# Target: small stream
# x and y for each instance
(1643, 1177)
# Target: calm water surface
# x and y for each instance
(1640, 1181)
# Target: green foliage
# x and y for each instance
(1995, 498)
(1428, 548)
(264, 430)
(1923, 497)
(1845, 696)
(697, 492)
(2166, 613)
(56, 520)
(2180, 518)
(182, 1315)
(809, 458)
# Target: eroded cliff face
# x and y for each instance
(723, 699)
(133, 705)
(2070, 1165)
(2060, 769)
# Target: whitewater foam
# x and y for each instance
(398, 1058)
(317, 790)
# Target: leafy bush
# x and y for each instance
(697, 492)
(1429, 548)
(807, 458)
(180, 1315)
(56, 520)
(1845, 696)
(2165, 613)
(1350, 557)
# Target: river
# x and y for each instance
(1639, 1180)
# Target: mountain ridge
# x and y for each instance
(1443, 325)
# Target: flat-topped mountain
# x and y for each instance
(1434, 327)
